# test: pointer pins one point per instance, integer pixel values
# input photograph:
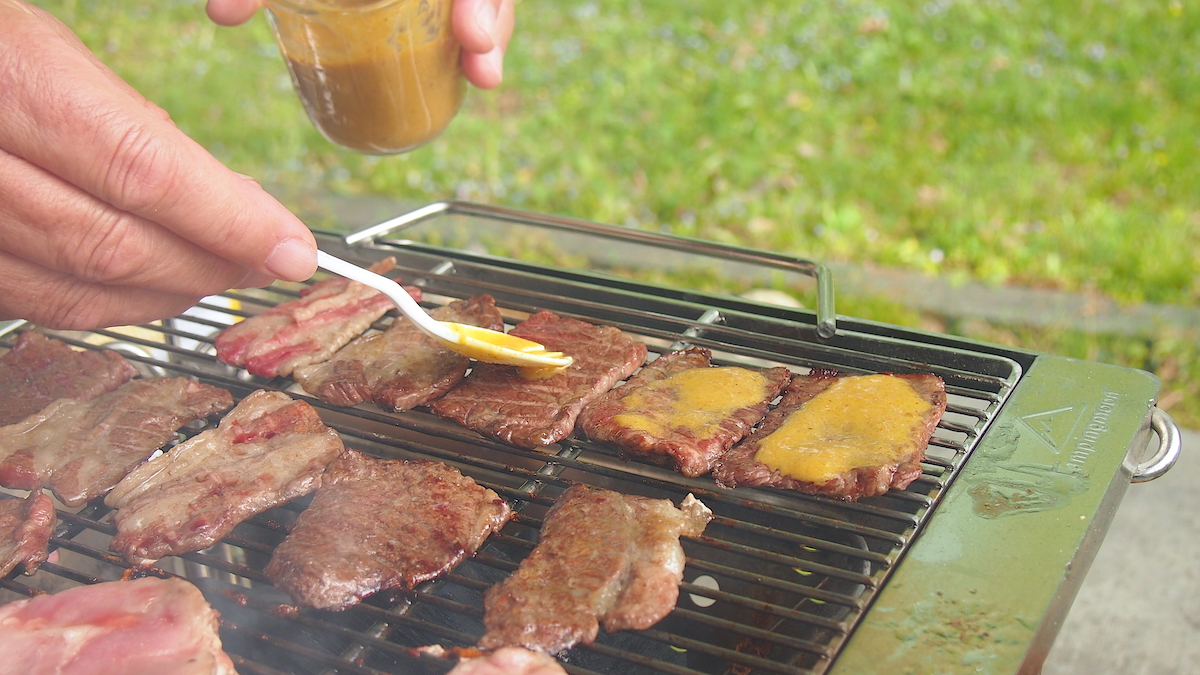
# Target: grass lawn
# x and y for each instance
(1050, 144)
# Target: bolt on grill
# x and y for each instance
(776, 584)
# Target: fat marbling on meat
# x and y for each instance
(841, 436)
(400, 368)
(382, 523)
(682, 411)
(81, 449)
(39, 370)
(307, 330)
(25, 529)
(145, 626)
(602, 557)
(267, 450)
(497, 401)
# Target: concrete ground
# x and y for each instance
(1138, 612)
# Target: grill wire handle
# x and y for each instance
(826, 321)
(1170, 444)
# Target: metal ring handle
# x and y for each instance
(1170, 443)
(826, 317)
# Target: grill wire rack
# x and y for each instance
(776, 584)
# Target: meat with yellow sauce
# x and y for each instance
(682, 411)
(841, 436)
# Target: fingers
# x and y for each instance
(484, 28)
(64, 113)
(58, 301)
(56, 226)
(231, 12)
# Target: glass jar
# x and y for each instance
(377, 76)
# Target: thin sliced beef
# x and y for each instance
(680, 410)
(382, 523)
(39, 370)
(307, 330)
(846, 436)
(25, 529)
(509, 661)
(602, 557)
(267, 450)
(402, 367)
(142, 627)
(80, 449)
(497, 401)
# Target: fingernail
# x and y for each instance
(485, 18)
(292, 260)
(495, 60)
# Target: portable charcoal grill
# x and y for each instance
(971, 569)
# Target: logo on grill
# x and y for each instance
(1054, 427)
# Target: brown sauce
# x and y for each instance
(381, 81)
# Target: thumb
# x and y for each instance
(231, 12)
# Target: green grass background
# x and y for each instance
(1049, 144)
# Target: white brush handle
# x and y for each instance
(393, 290)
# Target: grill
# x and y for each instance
(975, 564)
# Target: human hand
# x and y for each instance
(483, 27)
(109, 214)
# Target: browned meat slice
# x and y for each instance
(80, 449)
(602, 556)
(497, 401)
(382, 523)
(680, 410)
(841, 436)
(400, 368)
(39, 370)
(267, 450)
(25, 529)
(142, 627)
(307, 330)
(509, 661)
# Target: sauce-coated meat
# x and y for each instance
(497, 401)
(81, 449)
(307, 330)
(25, 529)
(400, 368)
(841, 436)
(602, 557)
(39, 370)
(680, 410)
(381, 523)
(267, 450)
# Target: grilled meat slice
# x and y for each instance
(841, 436)
(381, 523)
(509, 661)
(80, 449)
(146, 626)
(680, 410)
(25, 529)
(497, 401)
(602, 557)
(39, 370)
(402, 367)
(267, 450)
(307, 330)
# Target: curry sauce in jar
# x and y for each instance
(376, 76)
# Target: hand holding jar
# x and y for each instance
(383, 76)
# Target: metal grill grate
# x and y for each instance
(776, 584)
